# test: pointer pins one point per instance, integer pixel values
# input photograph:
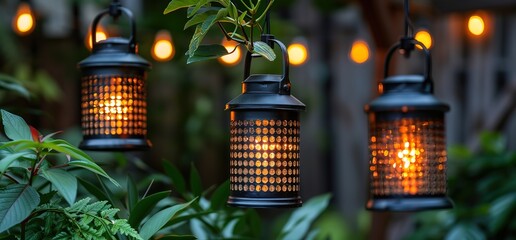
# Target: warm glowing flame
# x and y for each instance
(298, 54)
(163, 48)
(476, 25)
(424, 37)
(23, 21)
(101, 34)
(359, 52)
(232, 58)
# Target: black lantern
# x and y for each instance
(407, 142)
(264, 148)
(114, 106)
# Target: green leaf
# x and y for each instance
(200, 3)
(93, 189)
(15, 127)
(9, 159)
(202, 29)
(11, 84)
(299, 223)
(175, 175)
(205, 52)
(465, 231)
(198, 18)
(63, 146)
(132, 193)
(195, 181)
(501, 212)
(93, 167)
(220, 196)
(158, 220)
(64, 182)
(178, 4)
(264, 50)
(144, 207)
(17, 201)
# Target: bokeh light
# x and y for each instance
(163, 48)
(298, 54)
(424, 37)
(476, 25)
(232, 58)
(24, 21)
(359, 52)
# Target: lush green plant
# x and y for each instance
(209, 217)
(31, 177)
(483, 187)
(243, 16)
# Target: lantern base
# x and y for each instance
(115, 144)
(408, 204)
(264, 202)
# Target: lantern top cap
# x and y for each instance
(403, 93)
(114, 52)
(264, 91)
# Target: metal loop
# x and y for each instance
(132, 39)
(285, 79)
(428, 63)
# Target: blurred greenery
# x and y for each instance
(483, 186)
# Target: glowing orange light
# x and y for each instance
(163, 48)
(232, 58)
(424, 37)
(24, 21)
(298, 54)
(359, 52)
(476, 25)
(101, 34)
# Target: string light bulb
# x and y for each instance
(100, 35)
(163, 49)
(359, 52)
(235, 55)
(24, 21)
(298, 53)
(424, 37)
(476, 25)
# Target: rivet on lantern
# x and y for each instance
(407, 146)
(264, 140)
(113, 101)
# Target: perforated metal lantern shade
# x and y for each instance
(407, 146)
(113, 101)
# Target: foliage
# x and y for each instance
(483, 187)
(82, 220)
(243, 18)
(31, 171)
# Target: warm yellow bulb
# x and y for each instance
(425, 38)
(232, 58)
(298, 54)
(476, 25)
(23, 22)
(163, 47)
(359, 52)
(100, 35)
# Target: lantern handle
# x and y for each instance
(285, 78)
(115, 10)
(405, 45)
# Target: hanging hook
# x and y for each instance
(267, 37)
(406, 42)
(114, 9)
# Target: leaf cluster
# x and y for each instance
(82, 220)
(483, 187)
(241, 17)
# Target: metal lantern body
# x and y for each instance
(113, 101)
(264, 142)
(407, 146)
